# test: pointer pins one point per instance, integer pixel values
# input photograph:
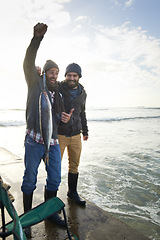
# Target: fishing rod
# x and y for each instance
(44, 80)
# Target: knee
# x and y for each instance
(73, 168)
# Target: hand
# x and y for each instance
(40, 29)
(38, 70)
(85, 138)
(65, 117)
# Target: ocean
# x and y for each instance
(119, 169)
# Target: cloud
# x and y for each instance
(82, 19)
(123, 4)
(117, 61)
(123, 46)
(122, 62)
(115, 2)
(129, 3)
(51, 12)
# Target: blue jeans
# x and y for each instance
(34, 153)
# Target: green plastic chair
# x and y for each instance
(34, 216)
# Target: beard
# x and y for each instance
(71, 86)
(52, 87)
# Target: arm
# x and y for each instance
(29, 61)
(84, 123)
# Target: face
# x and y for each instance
(72, 80)
(52, 75)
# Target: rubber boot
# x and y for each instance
(55, 217)
(27, 205)
(72, 189)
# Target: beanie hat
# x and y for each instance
(49, 64)
(73, 67)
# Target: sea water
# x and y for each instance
(119, 168)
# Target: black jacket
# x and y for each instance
(78, 121)
(35, 87)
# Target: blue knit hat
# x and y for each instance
(73, 67)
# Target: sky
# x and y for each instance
(116, 43)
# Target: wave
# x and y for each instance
(12, 123)
(16, 117)
(116, 119)
(123, 108)
(12, 117)
(121, 119)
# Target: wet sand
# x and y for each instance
(87, 223)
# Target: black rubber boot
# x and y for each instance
(55, 217)
(72, 189)
(27, 205)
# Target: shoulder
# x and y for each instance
(62, 85)
(83, 91)
(81, 86)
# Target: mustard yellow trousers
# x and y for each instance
(74, 148)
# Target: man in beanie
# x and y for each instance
(34, 145)
(69, 135)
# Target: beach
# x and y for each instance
(87, 223)
(119, 170)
